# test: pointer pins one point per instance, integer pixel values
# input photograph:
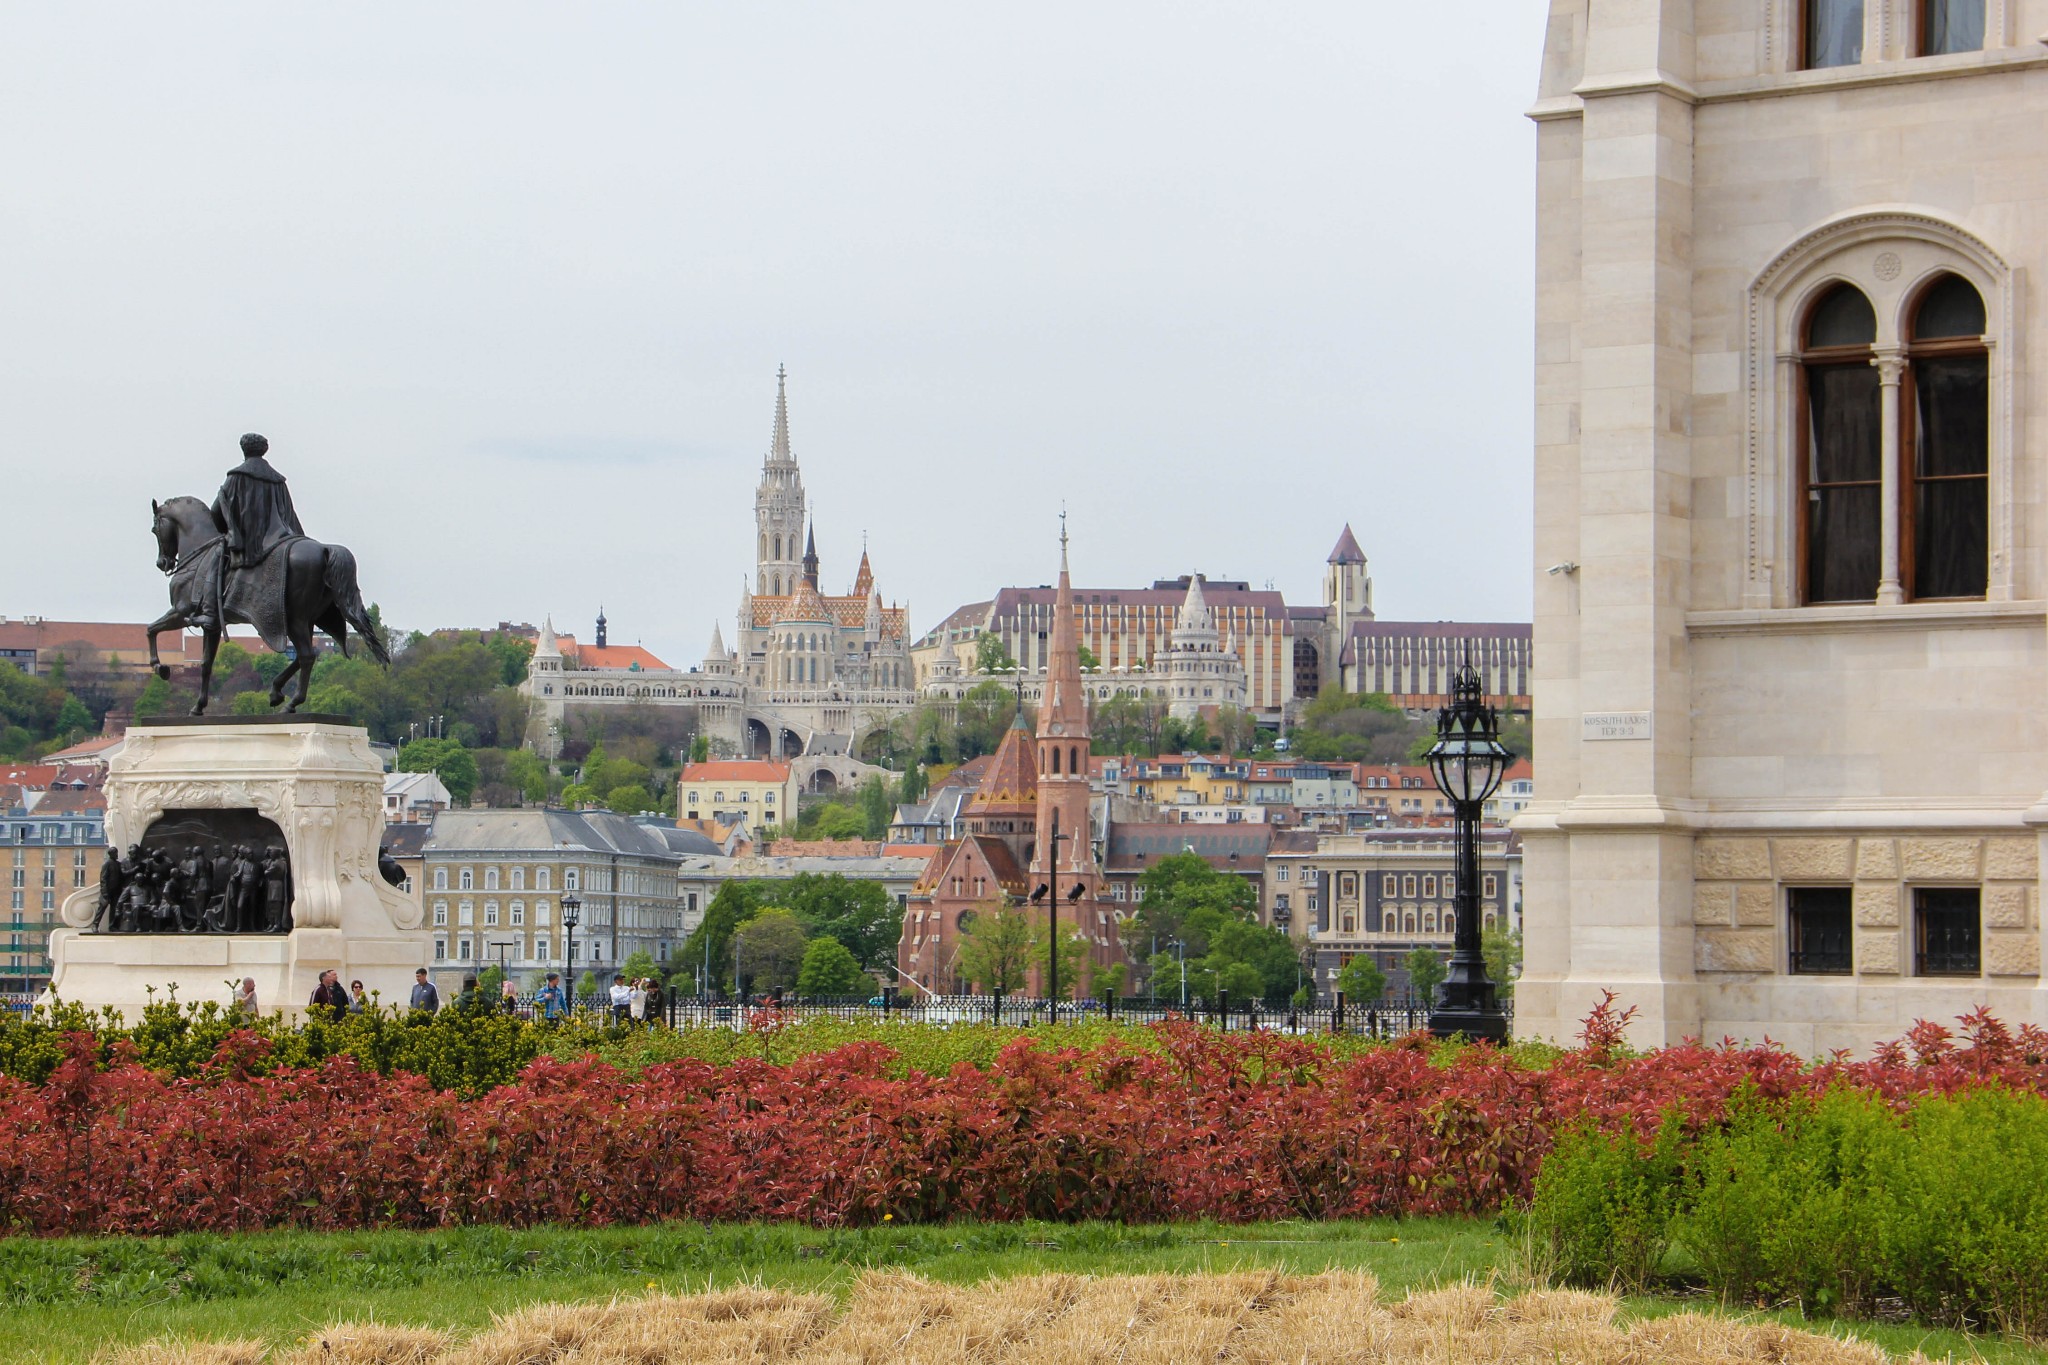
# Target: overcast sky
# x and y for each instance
(507, 285)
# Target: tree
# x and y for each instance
(1236, 731)
(996, 948)
(639, 963)
(861, 915)
(1502, 949)
(1363, 982)
(525, 772)
(447, 760)
(735, 904)
(828, 969)
(769, 950)
(1175, 888)
(875, 808)
(991, 655)
(700, 749)
(984, 712)
(914, 784)
(1356, 727)
(630, 800)
(1426, 971)
(1087, 656)
(586, 987)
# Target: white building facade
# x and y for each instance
(1791, 732)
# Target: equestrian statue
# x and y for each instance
(247, 560)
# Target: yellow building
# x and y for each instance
(762, 790)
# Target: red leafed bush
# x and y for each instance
(1228, 1126)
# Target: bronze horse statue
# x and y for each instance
(304, 585)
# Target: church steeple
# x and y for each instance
(778, 506)
(811, 556)
(1063, 735)
(600, 628)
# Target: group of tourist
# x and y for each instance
(639, 1001)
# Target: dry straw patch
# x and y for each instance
(1243, 1318)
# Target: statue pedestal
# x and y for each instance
(312, 778)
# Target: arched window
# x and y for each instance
(490, 879)
(518, 879)
(1055, 759)
(778, 546)
(1840, 457)
(1946, 430)
(468, 879)
(544, 879)
(440, 879)
(1831, 33)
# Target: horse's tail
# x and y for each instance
(341, 588)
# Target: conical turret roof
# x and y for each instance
(1011, 785)
(1347, 551)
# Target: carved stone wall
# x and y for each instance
(1739, 901)
(320, 784)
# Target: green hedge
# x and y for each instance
(1832, 1203)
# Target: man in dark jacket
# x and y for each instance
(424, 996)
(254, 507)
(329, 996)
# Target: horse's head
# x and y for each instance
(166, 532)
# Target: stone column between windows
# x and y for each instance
(1891, 366)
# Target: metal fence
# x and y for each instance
(1386, 1021)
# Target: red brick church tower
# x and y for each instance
(1063, 857)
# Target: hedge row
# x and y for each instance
(1835, 1202)
(1236, 1127)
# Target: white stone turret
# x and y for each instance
(779, 507)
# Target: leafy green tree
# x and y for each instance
(991, 655)
(828, 969)
(1426, 971)
(1363, 981)
(914, 785)
(769, 949)
(1355, 727)
(861, 915)
(446, 759)
(830, 821)
(640, 963)
(630, 800)
(73, 719)
(251, 704)
(577, 795)
(1087, 655)
(875, 808)
(700, 749)
(1502, 949)
(490, 983)
(984, 712)
(586, 987)
(996, 948)
(155, 699)
(1175, 888)
(1236, 731)
(525, 771)
(735, 904)
(1189, 736)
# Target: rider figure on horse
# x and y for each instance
(254, 507)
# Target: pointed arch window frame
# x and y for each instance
(1890, 253)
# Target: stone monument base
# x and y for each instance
(313, 778)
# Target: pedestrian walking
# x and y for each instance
(245, 997)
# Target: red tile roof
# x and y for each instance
(737, 770)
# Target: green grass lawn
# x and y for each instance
(61, 1300)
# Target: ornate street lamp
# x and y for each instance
(1468, 762)
(571, 906)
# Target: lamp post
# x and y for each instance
(571, 908)
(1468, 762)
